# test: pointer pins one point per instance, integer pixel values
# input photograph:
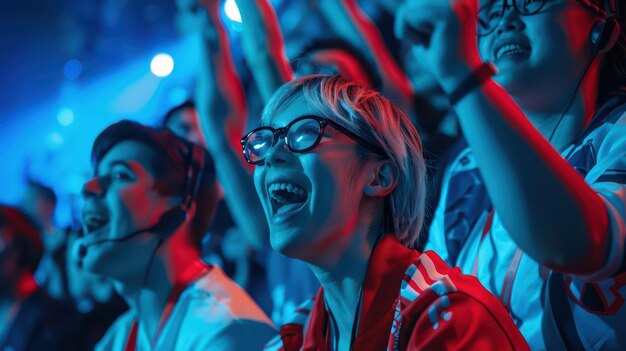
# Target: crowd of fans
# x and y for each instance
(466, 192)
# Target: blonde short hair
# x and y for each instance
(367, 113)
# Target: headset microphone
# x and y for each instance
(168, 222)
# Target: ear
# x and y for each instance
(382, 180)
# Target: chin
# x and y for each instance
(104, 262)
(289, 243)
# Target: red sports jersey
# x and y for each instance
(411, 301)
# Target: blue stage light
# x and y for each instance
(65, 117)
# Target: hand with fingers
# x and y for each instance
(444, 33)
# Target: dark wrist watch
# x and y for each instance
(473, 81)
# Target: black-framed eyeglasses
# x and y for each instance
(490, 14)
(301, 135)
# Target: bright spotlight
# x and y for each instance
(162, 65)
(232, 11)
(65, 117)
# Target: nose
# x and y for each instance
(511, 20)
(279, 154)
(94, 187)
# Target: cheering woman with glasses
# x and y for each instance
(535, 207)
(340, 175)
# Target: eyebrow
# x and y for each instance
(115, 163)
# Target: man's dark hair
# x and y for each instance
(188, 104)
(42, 190)
(170, 166)
(26, 236)
(343, 45)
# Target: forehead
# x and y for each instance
(128, 151)
(293, 108)
(187, 116)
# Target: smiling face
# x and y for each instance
(122, 199)
(310, 199)
(541, 55)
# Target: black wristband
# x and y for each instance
(474, 80)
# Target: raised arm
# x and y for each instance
(223, 113)
(349, 21)
(263, 46)
(545, 205)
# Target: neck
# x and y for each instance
(175, 264)
(342, 280)
(565, 119)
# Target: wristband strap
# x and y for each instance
(473, 81)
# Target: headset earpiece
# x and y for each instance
(175, 217)
(605, 34)
(170, 221)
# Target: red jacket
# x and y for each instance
(411, 301)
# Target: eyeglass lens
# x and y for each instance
(492, 11)
(301, 136)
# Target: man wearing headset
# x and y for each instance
(535, 207)
(146, 209)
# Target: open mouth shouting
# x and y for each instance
(286, 198)
(94, 221)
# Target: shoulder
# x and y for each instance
(219, 294)
(291, 333)
(463, 321)
(116, 335)
(441, 303)
(237, 335)
(602, 147)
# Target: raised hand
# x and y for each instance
(444, 32)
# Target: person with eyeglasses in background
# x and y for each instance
(535, 207)
(341, 177)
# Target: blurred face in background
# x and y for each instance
(37, 206)
(185, 124)
(334, 62)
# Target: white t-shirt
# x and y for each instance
(212, 313)
(459, 222)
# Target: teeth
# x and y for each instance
(288, 187)
(292, 188)
(509, 49)
(94, 222)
